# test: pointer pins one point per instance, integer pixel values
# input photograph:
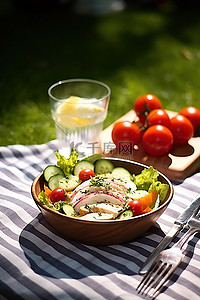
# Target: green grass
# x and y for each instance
(134, 51)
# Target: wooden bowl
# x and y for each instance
(102, 232)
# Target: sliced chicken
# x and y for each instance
(110, 183)
(101, 208)
(97, 216)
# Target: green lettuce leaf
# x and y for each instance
(161, 188)
(42, 197)
(145, 178)
(67, 164)
(148, 180)
(57, 206)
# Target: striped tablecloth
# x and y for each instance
(37, 263)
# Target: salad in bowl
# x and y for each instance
(95, 189)
(100, 200)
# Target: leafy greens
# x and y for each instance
(67, 164)
(148, 180)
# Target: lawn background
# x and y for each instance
(142, 49)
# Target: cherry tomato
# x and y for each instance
(125, 131)
(157, 140)
(182, 129)
(57, 194)
(158, 116)
(136, 206)
(144, 104)
(85, 174)
(193, 114)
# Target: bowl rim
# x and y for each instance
(170, 196)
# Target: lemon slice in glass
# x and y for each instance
(76, 111)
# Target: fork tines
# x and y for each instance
(155, 278)
(167, 261)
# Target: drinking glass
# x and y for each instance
(79, 108)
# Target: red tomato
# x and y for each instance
(144, 104)
(57, 194)
(157, 140)
(193, 114)
(126, 131)
(158, 116)
(85, 174)
(136, 206)
(182, 129)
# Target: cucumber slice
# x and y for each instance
(92, 158)
(69, 183)
(52, 170)
(103, 166)
(125, 214)
(156, 204)
(122, 172)
(82, 164)
(69, 210)
(54, 181)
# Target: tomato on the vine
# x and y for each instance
(192, 114)
(126, 132)
(85, 174)
(144, 104)
(158, 116)
(57, 194)
(182, 129)
(157, 140)
(136, 206)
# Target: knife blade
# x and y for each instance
(176, 228)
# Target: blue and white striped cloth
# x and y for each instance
(37, 263)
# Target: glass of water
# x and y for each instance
(79, 107)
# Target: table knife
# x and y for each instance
(177, 227)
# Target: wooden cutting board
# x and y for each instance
(180, 163)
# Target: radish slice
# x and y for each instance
(97, 197)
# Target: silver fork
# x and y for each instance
(167, 261)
